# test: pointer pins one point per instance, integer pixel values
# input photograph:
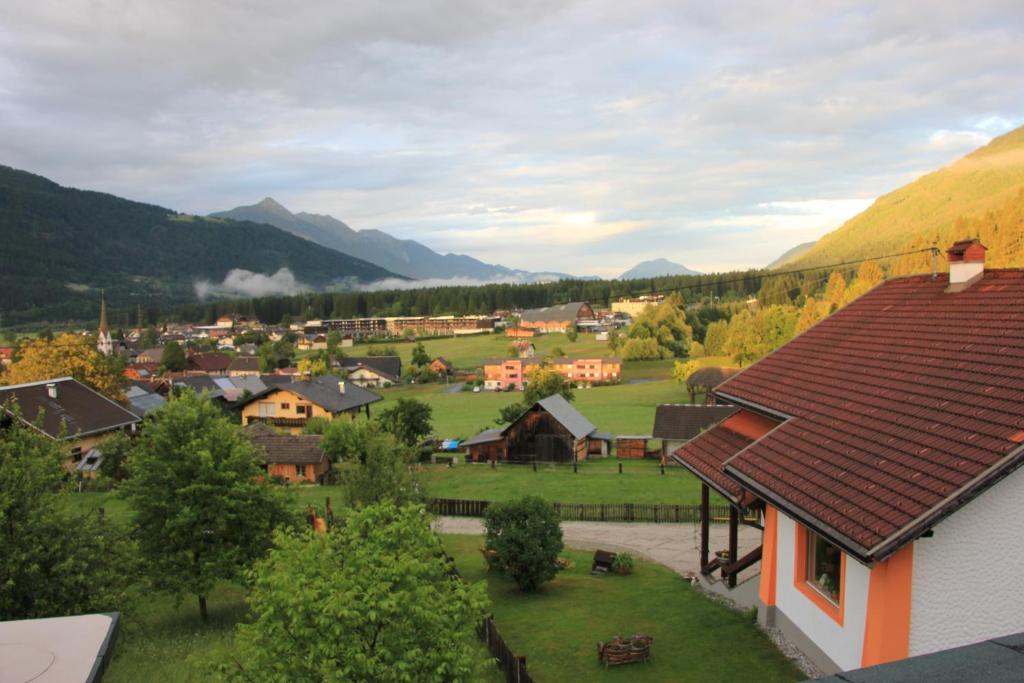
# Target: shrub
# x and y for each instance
(526, 538)
(623, 563)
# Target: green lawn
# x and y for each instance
(557, 628)
(619, 409)
(468, 352)
(597, 481)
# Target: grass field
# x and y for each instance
(467, 352)
(620, 409)
(557, 628)
(596, 481)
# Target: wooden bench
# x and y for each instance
(624, 650)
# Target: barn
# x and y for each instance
(551, 430)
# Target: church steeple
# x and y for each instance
(104, 342)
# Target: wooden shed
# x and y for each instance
(631, 447)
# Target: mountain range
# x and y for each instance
(61, 246)
(988, 179)
(656, 268)
(405, 257)
(791, 255)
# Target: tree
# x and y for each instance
(69, 355)
(714, 338)
(508, 413)
(149, 337)
(313, 366)
(526, 539)
(380, 471)
(408, 420)
(203, 510)
(682, 370)
(835, 290)
(377, 602)
(173, 358)
(664, 325)
(543, 382)
(54, 561)
(811, 314)
(571, 333)
(696, 350)
(419, 355)
(115, 449)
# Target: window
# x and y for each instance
(820, 569)
(304, 410)
(300, 470)
(76, 453)
(267, 409)
(286, 406)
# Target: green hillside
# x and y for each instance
(983, 181)
(59, 246)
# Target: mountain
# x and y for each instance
(61, 246)
(790, 255)
(406, 257)
(656, 268)
(984, 180)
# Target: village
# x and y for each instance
(679, 481)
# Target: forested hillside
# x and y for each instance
(984, 181)
(61, 246)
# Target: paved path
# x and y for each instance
(677, 546)
(453, 388)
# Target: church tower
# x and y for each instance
(104, 342)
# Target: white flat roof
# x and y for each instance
(56, 650)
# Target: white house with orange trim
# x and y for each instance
(881, 452)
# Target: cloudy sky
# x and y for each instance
(578, 136)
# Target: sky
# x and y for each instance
(578, 137)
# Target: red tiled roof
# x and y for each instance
(900, 404)
(704, 455)
(210, 362)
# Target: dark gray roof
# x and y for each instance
(286, 448)
(199, 384)
(325, 392)
(569, 417)
(486, 436)
(277, 380)
(245, 364)
(683, 422)
(77, 410)
(564, 312)
(999, 660)
(142, 401)
(391, 365)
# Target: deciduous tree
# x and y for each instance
(68, 355)
(542, 382)
(526, 539)
(173, 358)
(203, 511)
(420, 356)
(380, 471)
(408, 420)
(373, 600)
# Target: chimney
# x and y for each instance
(341, 387)
(966, 264)
(51, 390)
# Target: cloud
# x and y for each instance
(243, 282)
(484, 128)
(397, 283)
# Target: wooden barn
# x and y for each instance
(551, 430)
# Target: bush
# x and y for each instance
(526, 539)
(623, 563)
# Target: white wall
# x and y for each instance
(969, 577)
(843, 644)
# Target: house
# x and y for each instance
(372, 371)
(153, 355)
(312, 342)
(6, 355)
(519, 332)
(244, 365)
(211, 363)
(882, 450)
(556, 318)
(524, 349)
(66, 410)
(551, 430)
(142, 400)
(588, 370)
(347, 341)
(507, 374)
(248, 349)
(675, 424)
(441, 366)
(296, 458)
(634, 306)
(141, 371)
(291, 405)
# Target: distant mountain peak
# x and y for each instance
(656, 268)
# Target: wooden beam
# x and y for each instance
(734, 568)
(734, 523)
(705, 524)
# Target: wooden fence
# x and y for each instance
(513, 666)
(592, 512)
